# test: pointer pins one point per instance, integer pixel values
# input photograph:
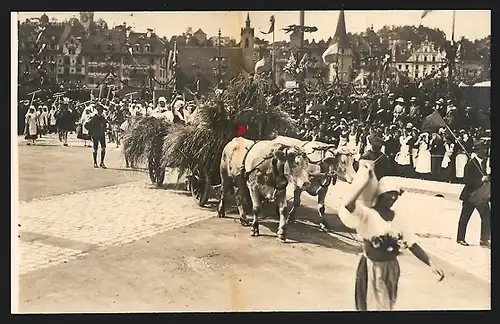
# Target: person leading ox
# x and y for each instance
(260, 171)
(378, 272)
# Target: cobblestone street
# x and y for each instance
(71, 225)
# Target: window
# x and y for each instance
(400, 66)
(79, 70)
(416, 58)
(433, 59)
(407, 67)
(79, 60)
(425, 58)
(147, 48)
(60, 60)
(416, 67)
(137, 48)
(72, 70)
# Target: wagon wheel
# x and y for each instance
(199, 185)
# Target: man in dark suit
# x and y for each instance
(474, 176)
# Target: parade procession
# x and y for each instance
(215, 174)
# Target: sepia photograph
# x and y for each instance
(249, 161)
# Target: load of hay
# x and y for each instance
(245, 101)
(141, 138)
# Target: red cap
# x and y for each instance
(240, 130)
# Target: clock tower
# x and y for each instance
(86, 19)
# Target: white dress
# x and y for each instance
(449, 148)
(351, 143)
(52, 118)
(403, 156)
(32, 124)
(423, 164)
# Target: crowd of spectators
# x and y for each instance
(426, 139)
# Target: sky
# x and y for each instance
(472, 24)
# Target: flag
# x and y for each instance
(304, 60)
(271, 26)
(433, 122)
(425, 13)
(330, 55)
(290, 64)
(259, 66)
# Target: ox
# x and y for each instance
(325, 166)
(260, 171)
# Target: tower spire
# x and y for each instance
(340, 36)
(247, 22)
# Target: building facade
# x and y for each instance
(78, 51)
(417, 62)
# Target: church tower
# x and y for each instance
(247, 45)
(86, 19)
(343, 49)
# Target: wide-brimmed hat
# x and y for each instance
(400, 99)
(409, 125)
(162, 99)
(413, 98)
(391, 95)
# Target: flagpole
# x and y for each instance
(453, 27)
(273, 72)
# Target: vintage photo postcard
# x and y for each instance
(227, 161)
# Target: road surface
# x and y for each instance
(129, 247)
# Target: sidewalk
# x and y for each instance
(448, 190)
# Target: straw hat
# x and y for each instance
(400, 99)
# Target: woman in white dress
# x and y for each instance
(352, 138)
(52, 121)
(423, 165)
(462, 158)
(31, 128)
(403, 156)
(83, 132)
(446, 164)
